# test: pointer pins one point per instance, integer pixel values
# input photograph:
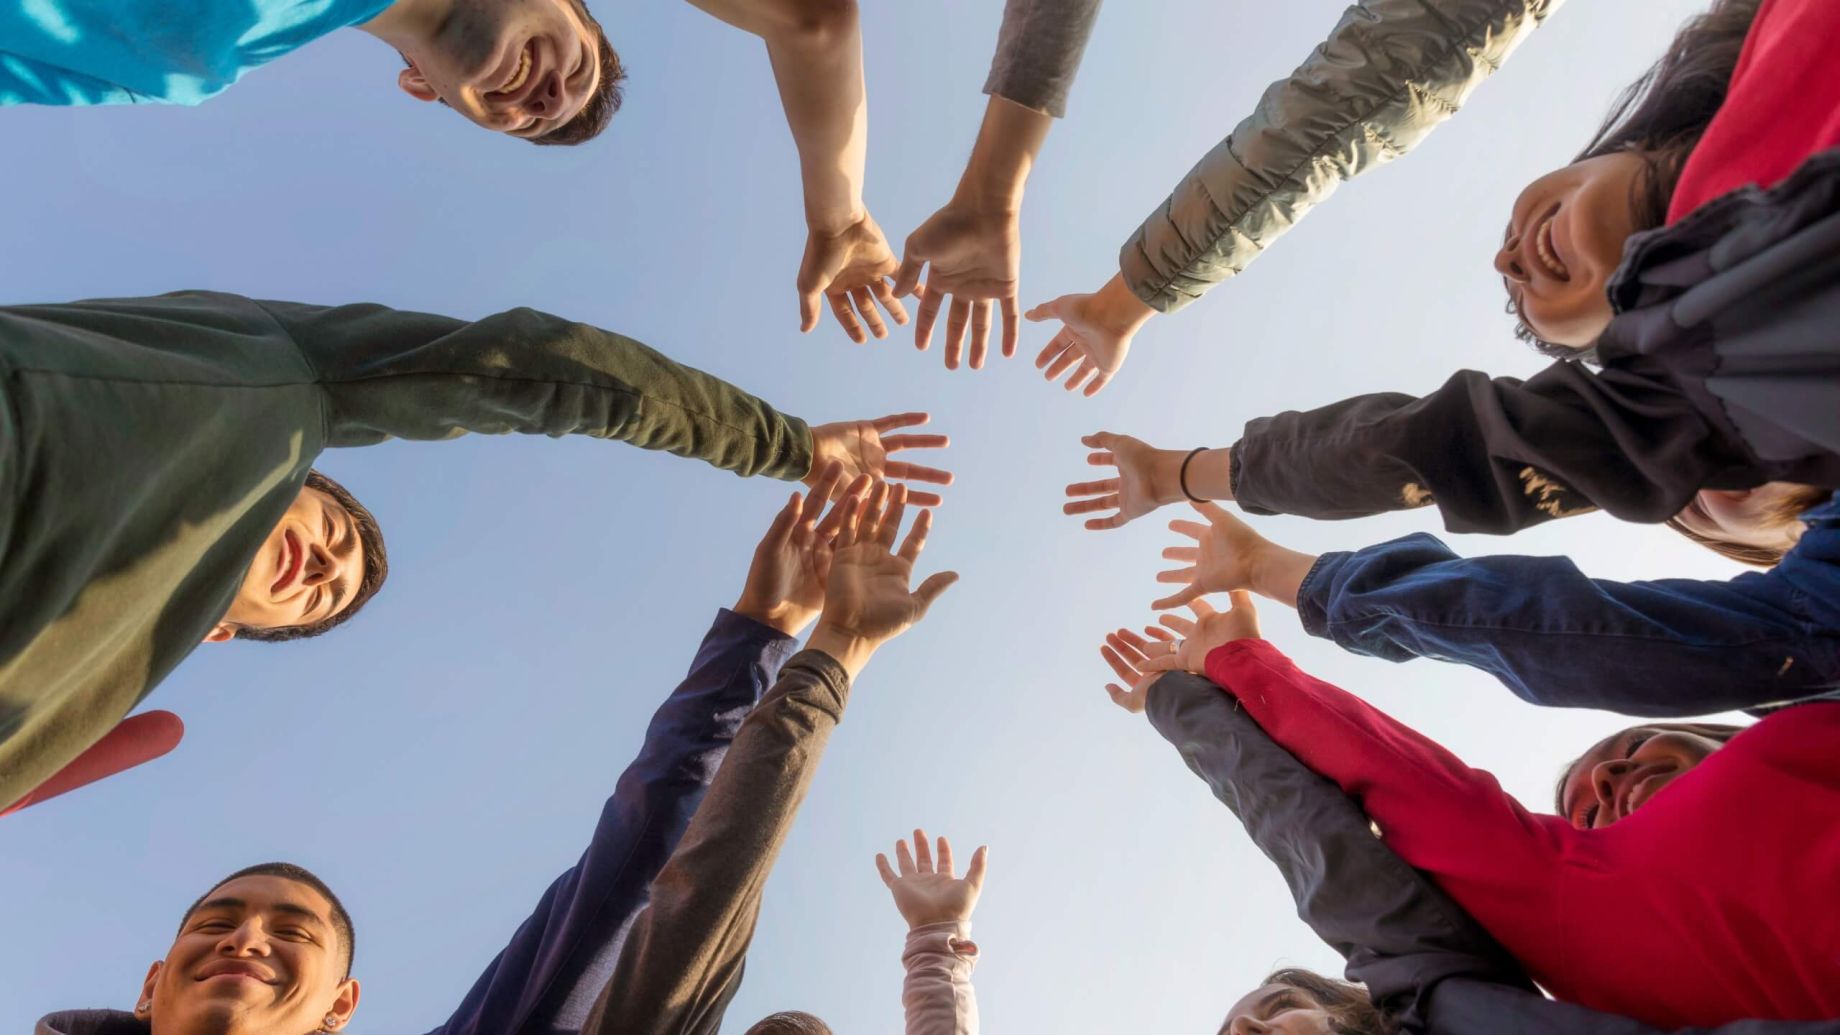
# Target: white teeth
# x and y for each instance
(1543, 247)
(523, 72)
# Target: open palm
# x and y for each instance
(928, 891)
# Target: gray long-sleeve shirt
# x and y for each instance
(149, 445)
(1038, 52)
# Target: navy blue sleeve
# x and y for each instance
(1669, 647)
(546, 979)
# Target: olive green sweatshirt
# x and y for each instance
(149, 445)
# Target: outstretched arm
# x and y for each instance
(937, 905)
(971, 249)
(816, 50)
(548, 974)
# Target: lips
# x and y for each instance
(522, 76)
(291, 558)
(236, 969)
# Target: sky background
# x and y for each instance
(440, 760)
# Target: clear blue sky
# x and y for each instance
(440, 760)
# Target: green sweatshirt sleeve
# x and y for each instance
(682, 962)
(387, 373)
(1390, 73)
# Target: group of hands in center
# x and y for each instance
(970, 253)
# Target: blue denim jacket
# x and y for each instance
(546, 979)
(1668, 647)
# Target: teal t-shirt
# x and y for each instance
(153, 51)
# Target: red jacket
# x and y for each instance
(1783, 105)
(1718, 901)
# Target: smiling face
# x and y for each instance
(521, 67)
(1624, 772)
(1564, 239)
(308, 570)
(1276, 1010)
(259, 956)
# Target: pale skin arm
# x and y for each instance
(816, 50)
(1230, 557)
(1095, 335)
(1147, 478)
(971, 250)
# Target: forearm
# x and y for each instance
(1390, 72)
(1557, 637)
(1038, 52)
(683, 959)
(386, 373)
(937, 994)
(817, 65)
(1342, 877)
(1008, 141)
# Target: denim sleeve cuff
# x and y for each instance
(775, 647)
(1314, 592)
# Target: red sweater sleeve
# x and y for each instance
(1500, 861)
(1782, 107)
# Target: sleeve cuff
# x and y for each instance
(739, 628)
(1224, 661)
(1313, 592)
(950, 938)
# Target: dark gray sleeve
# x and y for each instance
(1463, 1006)
(1398, 932)
(1038, 52)
(682, 962)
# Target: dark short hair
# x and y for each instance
(1791, 508)
(1350, 1011)
(341, 920)
(376, 568)
(598, 112)
(791, 1022)
(1661, 117)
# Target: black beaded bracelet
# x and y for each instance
(1182, 476)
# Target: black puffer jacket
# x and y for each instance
(1421, 956)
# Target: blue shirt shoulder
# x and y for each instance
(82, 52)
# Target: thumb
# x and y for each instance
(1161, 663)
(1180, 597)
(974, 876)
(1048, 310)
(1242, 601)
(932, 588)
(907, 278)
(808, 308)
(1214, 513)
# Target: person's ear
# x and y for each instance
(143, 1007)
(415, 84)
(338, 1015)
(220, 633)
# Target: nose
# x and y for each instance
(248, 939)
(319, 566)
(1508, 261)
(549, 99)
(1243, 1025)
(1606, 780)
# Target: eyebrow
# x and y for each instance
(288, 908)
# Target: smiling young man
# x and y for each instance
(153, 453)
(268, 950)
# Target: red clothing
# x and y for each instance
(1718, 901)
(1783, 105)
(134, 740)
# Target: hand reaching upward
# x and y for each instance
(932, 893)
(1229, 556)
(1139, 661)
(785, 584)
(849, 267)
(1095, 335)
(864, 446)
(867, 601)
(974, 257)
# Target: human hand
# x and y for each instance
(785, 583)
(974, 254)
(1225, 559)
(1147, 479)
(867, 601)
(849, 266)
(863, 447)
(1140, 660)
(1096, 332)
(929, 894)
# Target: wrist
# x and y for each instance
(1278, 572)
(1118, 309)
(848, 649)
(1210, 474)
(834, 219)
(788, 619)
(1007, 142)
(1166, 476)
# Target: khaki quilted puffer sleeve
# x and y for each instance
(1385, 78)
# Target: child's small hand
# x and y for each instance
(926, 893)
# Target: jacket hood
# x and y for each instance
(91, 1022)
